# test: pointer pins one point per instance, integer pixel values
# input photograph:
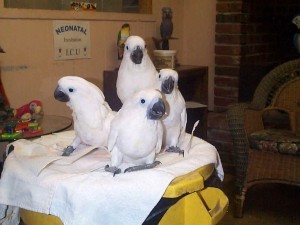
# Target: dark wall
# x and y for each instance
(252, 36)
(268, 43)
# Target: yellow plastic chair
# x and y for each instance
(198, 204)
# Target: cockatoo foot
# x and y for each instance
(68, 150)
(142, 167)
(112, 169)
(176, 150)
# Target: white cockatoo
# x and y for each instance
(136, 132)
(136, 71)
(174, 123)
(91, 113)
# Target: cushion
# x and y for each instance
(282, 141)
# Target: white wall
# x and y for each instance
(29, 70)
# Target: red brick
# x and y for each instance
(229, 39)
(232, 28)
(228, 49)
(232, 18)
(227, 60)
(223, 81)
(229, 0)
(229, 7)
(224, 102)
(226, 92)
(217, 121)
(233, 71)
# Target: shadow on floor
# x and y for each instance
(275, 204)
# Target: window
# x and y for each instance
(129, 6)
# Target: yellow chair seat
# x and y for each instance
(200, 205)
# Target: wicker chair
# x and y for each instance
(278, 90)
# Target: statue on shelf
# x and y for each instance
(166, 30)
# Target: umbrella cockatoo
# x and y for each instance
(136, 71)
(91, 113)
(136, 132)
(174, 123)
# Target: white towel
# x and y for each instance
(79, 191)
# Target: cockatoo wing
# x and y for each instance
(159, 137)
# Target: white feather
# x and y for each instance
(91, 113)
(175, 122)
(134, 138)
(135, 77)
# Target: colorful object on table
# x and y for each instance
(10, 127)
(26, 112)
(122, 37)
(9, 130)
(85, 6)
(13, 129)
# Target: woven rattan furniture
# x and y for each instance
(279, 89)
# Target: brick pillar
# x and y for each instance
(228, 50)
(252, 36)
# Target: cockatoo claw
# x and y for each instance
(112, 169)
(142, 167)
(176, 150)
(68, 150)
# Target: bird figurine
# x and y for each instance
(174, 123)
(91, 113)
(136, 132)
(166, 27)
(166, 30)
(27, 111)
(137, 71)
(122, 37)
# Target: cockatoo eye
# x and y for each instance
(143, 101)
(159, 75)
(127, 47)
(71, 90)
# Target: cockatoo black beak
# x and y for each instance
(60, 95)
(156, 109)
(137, 55)
(167, 85)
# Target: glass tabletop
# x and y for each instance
(47, 124)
